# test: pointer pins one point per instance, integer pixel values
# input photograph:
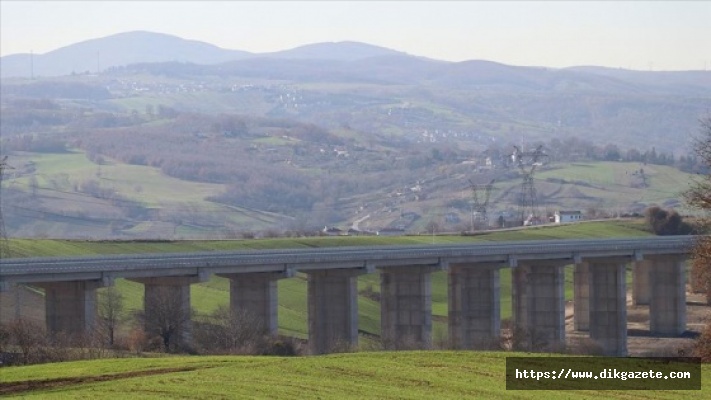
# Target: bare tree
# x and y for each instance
(224, 331)
(4, 338)
(699, 196)
(29, 337)
(110, 313)
(167, 316)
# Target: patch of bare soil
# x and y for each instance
(640, 341)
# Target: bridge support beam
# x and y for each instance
(333, 310)
(166, 307)
(539, 305)
(474, 305)
(667, 308)
(253, 299)
(406, 306)
(70, 307)
(608, 305)
(641, 283)
(581, 296)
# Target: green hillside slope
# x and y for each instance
(387, 375)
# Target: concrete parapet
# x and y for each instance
(539, 305)
(581, 296)
(474, 305)
(406, 306)
(70, 307)
(333, 309)
(608, 306)
(667, 308)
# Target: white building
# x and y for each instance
(562, 217)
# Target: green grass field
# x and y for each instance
(207, 296)
(608, 186)
(58, 175)
(614, 184)
(400, 375)
(141, 183)
(384, 375)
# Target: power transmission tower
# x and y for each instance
(527, 162)
(4, 248)
(479, 205)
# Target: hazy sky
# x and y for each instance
(658, 35)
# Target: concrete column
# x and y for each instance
(333, 310)
(608, 306)
(70, 307)
(166, 305)
(581, 296)
(406, 307)
(667, 308)
(253, 298)
(474, 306)
(641, 283)
(539, 305)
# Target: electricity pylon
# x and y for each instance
(479, 205)
(527, 162)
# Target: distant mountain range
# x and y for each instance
(149, 47)
(657, 108)
(339, 60)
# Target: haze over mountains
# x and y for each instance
(349, 61)
(618, 106)
(149, 47)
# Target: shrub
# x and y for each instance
(666, 222)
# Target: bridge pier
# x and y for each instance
(406, 306)
(539, 305)
(333, 309)
(166, 307)
(608, 305)
(253, 298)
(641, 283)
(667, 308)
(581, 296)
(70, 307)
(474, 305)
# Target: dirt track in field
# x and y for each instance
(8, 388)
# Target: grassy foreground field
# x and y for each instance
(387, 375)
(206, 297)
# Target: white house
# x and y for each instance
(562, 217)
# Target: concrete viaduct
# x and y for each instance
(70, 285)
